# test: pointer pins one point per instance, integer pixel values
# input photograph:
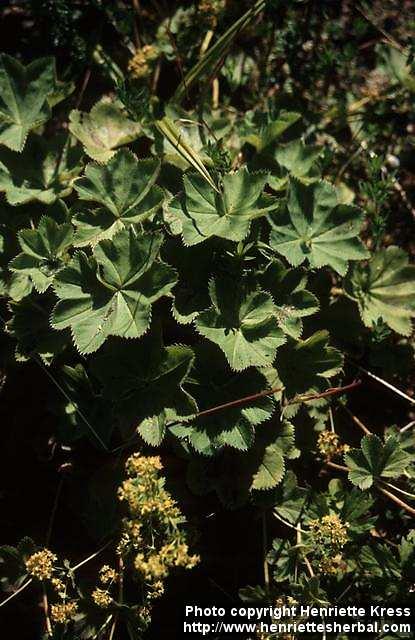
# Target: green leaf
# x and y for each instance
(88, 413)
(294, 159)
(194, 265)
(293, 301)
(271, 469)
(145, 382)
(24, 93)
(305, 365)
(45, 171)
(290, 499)
(103, 130)
(111, 293)
(315, 227)
(375, 460)
(270, 131)
(125, 189)
(298, 158)
(30, 327)
(204, 213)
(385, 289)
(43, 252)
(13, 571)
(242, 323)
(212, 383)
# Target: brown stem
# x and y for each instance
(270, 392)
(237, 403)
(325, 394)
(397, 500)
(333, 465)
(358, 422)
(54, 508)
(45, 605)
(265, 545)
(308, 565)
(385, 492)
(120, 596)
(83, 87)
(135, 27)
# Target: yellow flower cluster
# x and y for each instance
(210, 10)
(40, 564)
(329, 535)
(158, 564)
(59, 586)
(330, 530)
(330, 566)
(64, 612)
(130, 537)
(107, 574)
(329, 445)
(144, 492)
(151, 537)
(102, 598)
(140, 64)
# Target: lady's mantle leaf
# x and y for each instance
(271, 469)
(125, 188)
(304, 365)
(293, 301)
(43, 250)
(102, 130)
(376, 459)
(213, 383)
(112, 292)
(30, 327)
(385, 289)
(242, 323)
(317, 228)
(145, 381)
(204, 213)
(191, 295)
(264, 133)
(294, 159)
(24, 95)
(44, 171)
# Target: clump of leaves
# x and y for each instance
(196, 284)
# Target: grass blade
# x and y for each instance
(214, 54)
(169, 130)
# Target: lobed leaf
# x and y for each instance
(111, 293)
(242, 323)
(105, 128)
(204, 213)
(24, 93)
(316, 228)
(384, 289)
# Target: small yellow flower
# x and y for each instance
(330, 530)
(59, 586)
(62, 613)
(329, 445)
(139, 65)
(40, 564)
(209, 10)
(101, 598)
(107, 574)
(331, 566)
